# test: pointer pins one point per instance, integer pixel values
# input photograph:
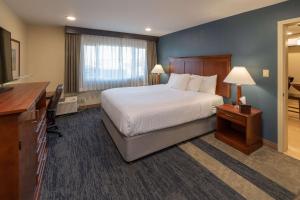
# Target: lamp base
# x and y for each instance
(238, 94)
(155, 79)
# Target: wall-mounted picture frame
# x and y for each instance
(16, 55)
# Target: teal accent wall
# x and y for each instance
(251, 38)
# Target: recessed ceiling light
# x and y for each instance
(148, 29)
(71, 18)
(289, 33)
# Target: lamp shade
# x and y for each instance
(239, 76)
(158, 69)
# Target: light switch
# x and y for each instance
(266, 73)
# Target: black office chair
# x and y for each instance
(51, 111)
(290, 79)
(293, 97)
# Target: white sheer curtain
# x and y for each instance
(107, 62)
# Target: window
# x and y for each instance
(108, 62)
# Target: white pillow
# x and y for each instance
(208, 84)
(179, 81)
(171, 79)
(194, 83)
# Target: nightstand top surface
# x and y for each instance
(232, 109)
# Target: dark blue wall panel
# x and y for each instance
(251, 38)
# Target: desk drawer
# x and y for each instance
(42, 131)
(232, 117)
(41, 167)
(41, 148)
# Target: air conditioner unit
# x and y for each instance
(67, 105)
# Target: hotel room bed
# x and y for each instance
(138, 110)
(143, 120)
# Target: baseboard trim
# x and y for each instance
(89, 106)
(270, 144)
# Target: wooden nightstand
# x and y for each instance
(241, 131)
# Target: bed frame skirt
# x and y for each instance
(134, 147)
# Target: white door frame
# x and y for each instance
(282, 84)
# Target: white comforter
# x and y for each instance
(137, 110)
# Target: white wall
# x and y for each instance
(12, 23)
(46, 54)
(46, 59)
(42, 48)
(294, 65)
(42, 52)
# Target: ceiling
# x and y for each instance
(132, 16)
(294, 30)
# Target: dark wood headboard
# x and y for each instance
(205, 66)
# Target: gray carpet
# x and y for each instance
(85, 164)
(267, 185)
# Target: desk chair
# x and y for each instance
(290, 79)
(51, 111)
(293, 97)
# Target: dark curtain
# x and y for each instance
(151, 59)
(72, 61)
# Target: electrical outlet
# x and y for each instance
(266, 73)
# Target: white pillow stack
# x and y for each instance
(179, 81)
(196, 83)
(208, 84)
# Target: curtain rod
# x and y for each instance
(87, 31)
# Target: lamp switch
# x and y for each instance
(266, 73)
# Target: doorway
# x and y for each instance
(289, 87)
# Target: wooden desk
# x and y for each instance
(296, 86)
(23, 141)
(293, 108)
(241, 131)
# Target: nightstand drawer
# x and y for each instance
(232, 117)
(241, 131)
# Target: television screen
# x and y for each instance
(5, 56)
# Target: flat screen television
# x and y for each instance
(5, 59)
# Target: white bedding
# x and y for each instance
(137, 110)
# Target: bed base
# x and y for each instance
(135, 147)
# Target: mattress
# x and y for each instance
(138, 110)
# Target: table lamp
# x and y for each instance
(239, 76)
(157, 70)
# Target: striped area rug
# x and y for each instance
(85, 164)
